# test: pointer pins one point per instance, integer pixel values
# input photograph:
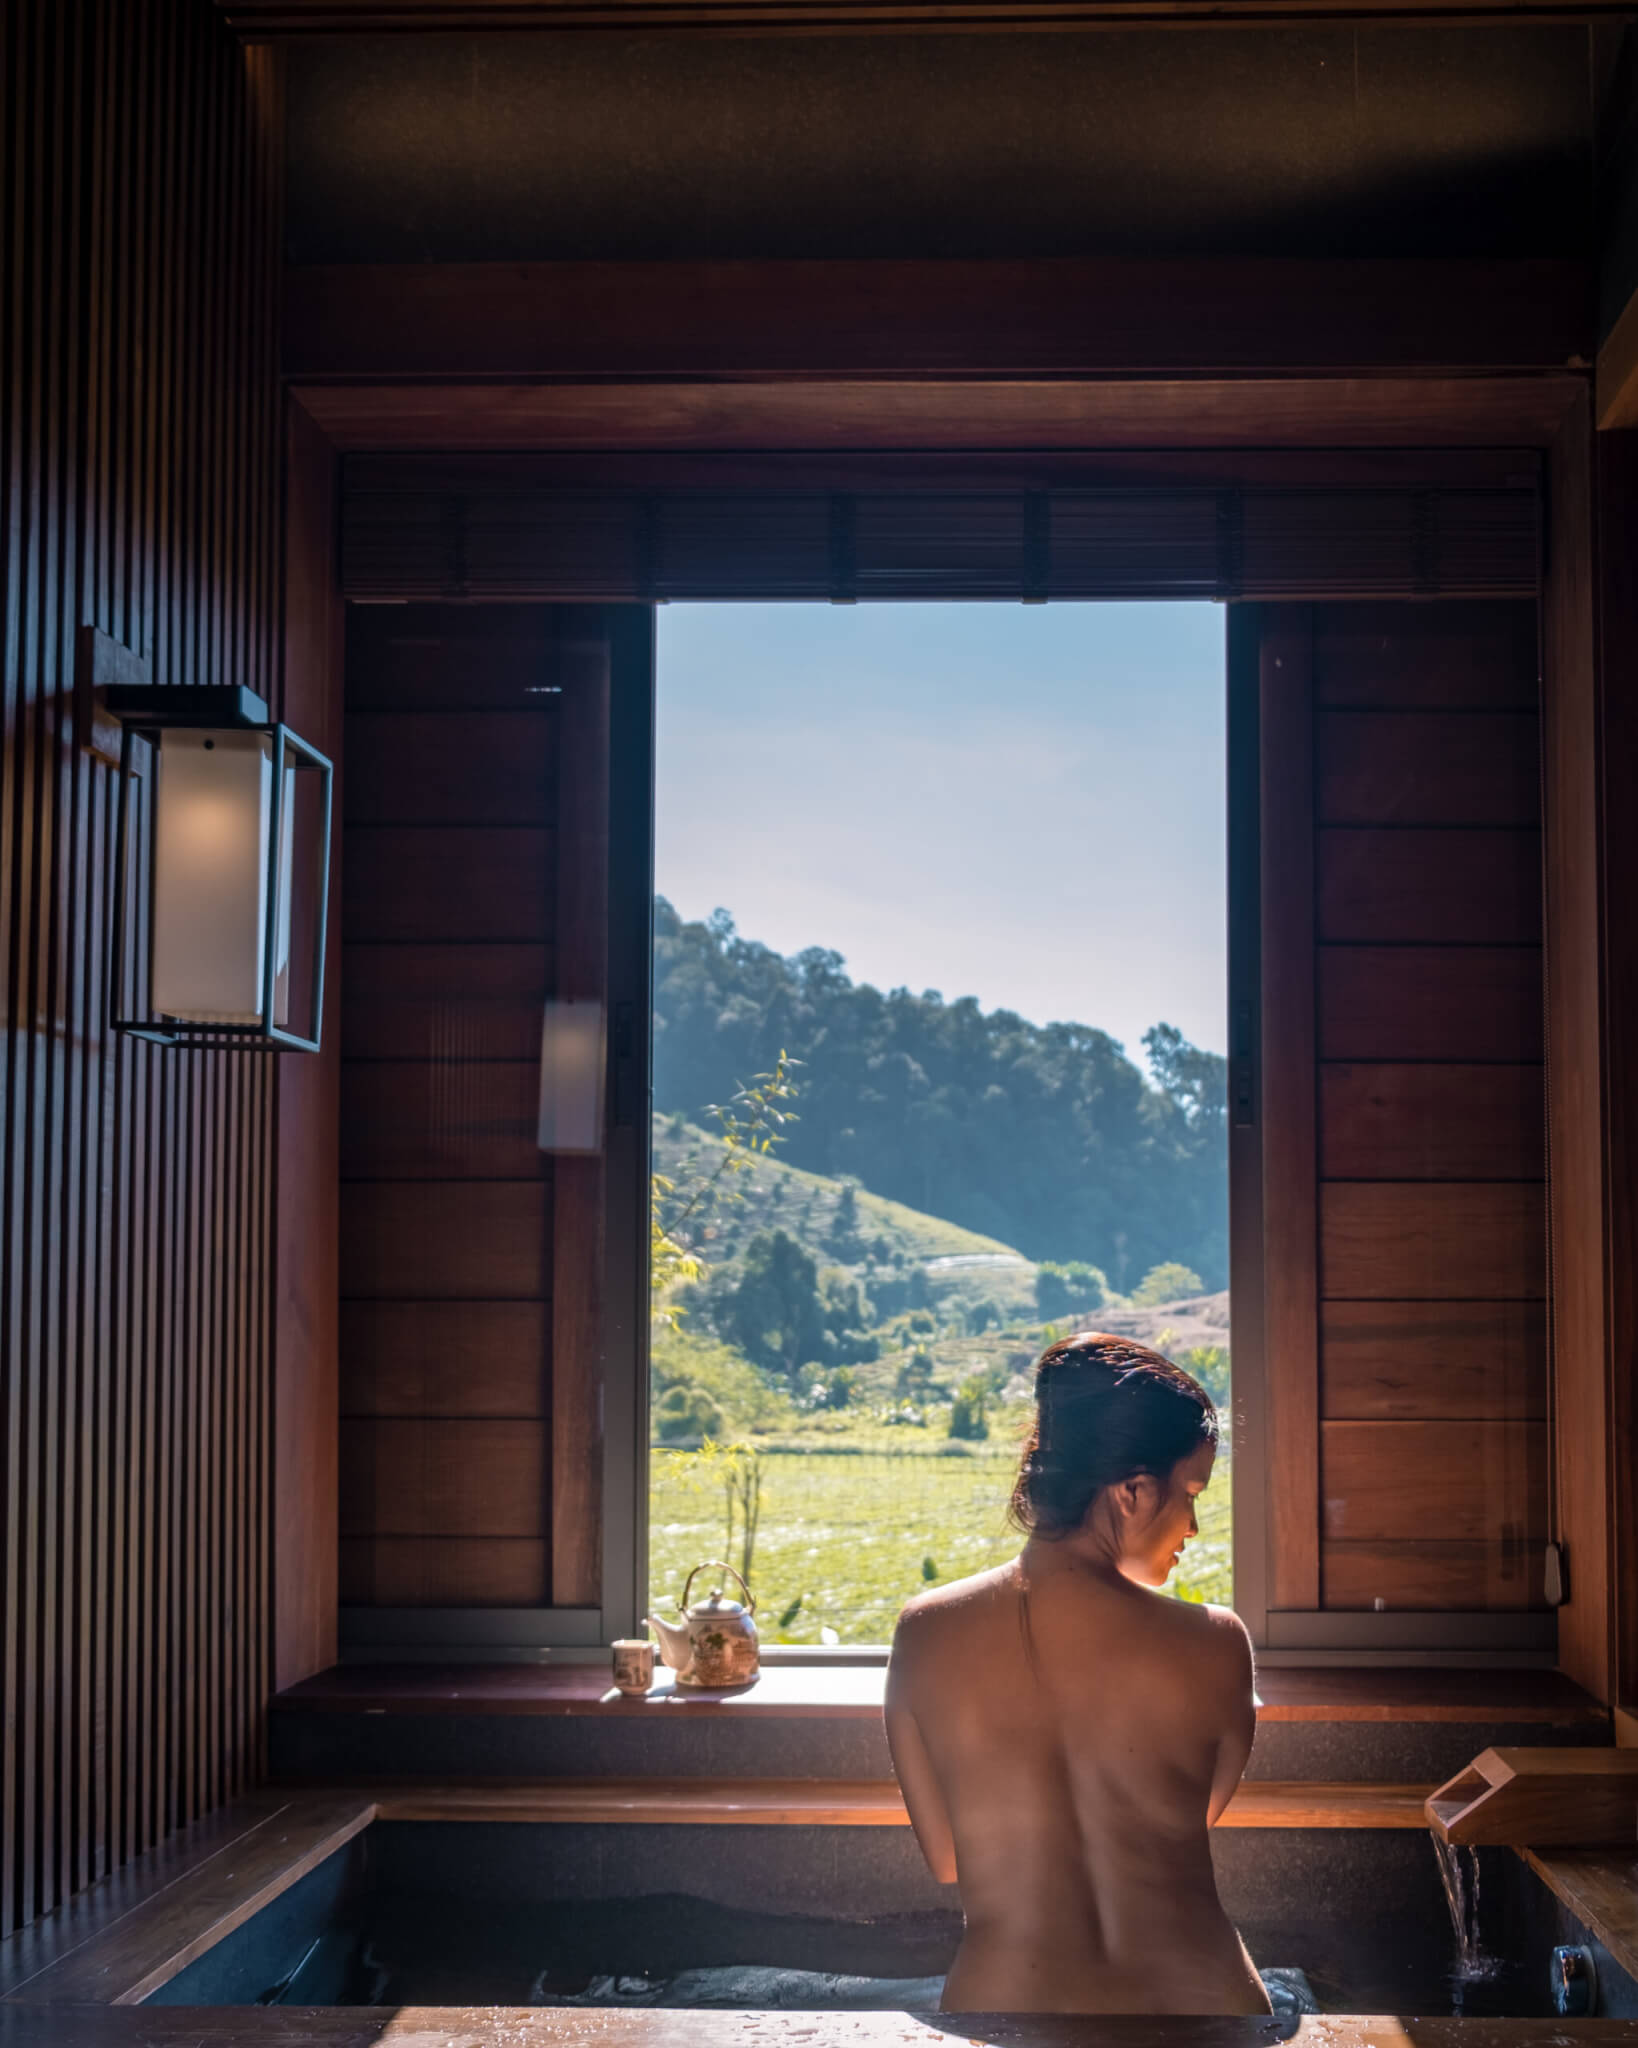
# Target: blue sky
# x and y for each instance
(1022, 803)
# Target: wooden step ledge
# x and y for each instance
(827, 1802)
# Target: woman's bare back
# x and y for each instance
(1064, 1740)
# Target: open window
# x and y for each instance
(1386, 1096)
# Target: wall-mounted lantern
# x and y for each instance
(222, 872)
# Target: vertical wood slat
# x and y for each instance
(1290, 1169)
(139, 237)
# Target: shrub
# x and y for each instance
(747, 1397)
(969, 1412)
(1209, 1364)
(1167, 1282)
(686, 1411)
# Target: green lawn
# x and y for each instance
(848, 1533)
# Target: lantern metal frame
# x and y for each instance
(147, 713)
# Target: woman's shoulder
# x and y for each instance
(961, 1599)
(1216, 1634)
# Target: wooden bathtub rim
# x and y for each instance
(281, 1836)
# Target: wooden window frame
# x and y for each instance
(1548, 413)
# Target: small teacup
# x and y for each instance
(633, 1664)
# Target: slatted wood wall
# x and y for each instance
(450, 921)
(139, 439)
(1405, 1153)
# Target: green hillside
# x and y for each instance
(787, 1197)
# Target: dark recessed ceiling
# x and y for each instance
(1314, 141)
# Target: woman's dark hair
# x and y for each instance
(1105, 1409)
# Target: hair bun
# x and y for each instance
(1130, 1411)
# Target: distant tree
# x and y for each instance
(1196, 1081)
(844, 1239)
(774, 1312)
(983, 1314)
(1166, 1282)
(1070, 1289)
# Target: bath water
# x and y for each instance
(1459, 1874)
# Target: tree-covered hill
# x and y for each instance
(1046, 1137)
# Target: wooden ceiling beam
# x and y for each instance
(917, 321)
(972, 418)
(259, 18)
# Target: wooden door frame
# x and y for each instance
(1313, 423)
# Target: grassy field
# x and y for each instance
(853, 1535)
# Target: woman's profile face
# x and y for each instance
(1155, 1544)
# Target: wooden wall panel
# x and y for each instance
(1403, 1121)
(441, 1120)
(407, 883)
(1417, 1361)
(1426, 1201)
(442, 1476)
(1427, 768)
(446, 1357)
(431, 1002)
(1450, 887)
(442, 1571)
(450, 1211)
(1407, 1481)
(484, 768)
(140, 439)
(1430, 1003)
(1433, 1241)
(1478, 657)
(1500, 1571)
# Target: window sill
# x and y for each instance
(838, 1691)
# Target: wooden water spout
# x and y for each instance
(1538, 1797)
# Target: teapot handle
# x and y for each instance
(720, 1564)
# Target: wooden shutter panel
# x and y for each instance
(476, 865)
(1402, 1106)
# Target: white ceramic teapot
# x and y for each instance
(715, 1644)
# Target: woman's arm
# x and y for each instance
(913, 1767)
(1239, 1713)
